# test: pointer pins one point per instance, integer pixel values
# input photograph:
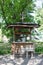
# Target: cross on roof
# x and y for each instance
(22, 16)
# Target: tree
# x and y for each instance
(11, 11)
(39, 18)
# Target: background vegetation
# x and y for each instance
(5, 48)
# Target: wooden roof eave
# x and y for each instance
(24, 26)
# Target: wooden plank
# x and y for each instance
(25, 26)
(23, 43)
(22, 32)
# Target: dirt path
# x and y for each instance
(11, 60)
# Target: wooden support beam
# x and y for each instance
(22, 32)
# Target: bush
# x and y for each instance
(39, 49)
(5, 49)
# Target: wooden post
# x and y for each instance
(30, 34)
(13, 45)
(13, 48)
(26, 54)
(31, 54)
(13, 34)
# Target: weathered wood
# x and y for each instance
(24, 26)
(16, 46)
(22, 32)
(13, 47)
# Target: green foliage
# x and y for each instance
(11, 10)
(39, 19)
(39, 47)
(39, 15)
(5, 48)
